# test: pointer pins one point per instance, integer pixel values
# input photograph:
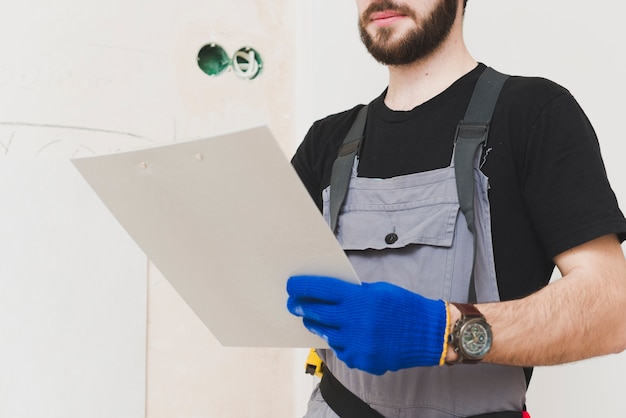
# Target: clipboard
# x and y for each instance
(227, 221)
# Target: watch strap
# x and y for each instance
(467, 309)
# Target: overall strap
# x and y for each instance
(342, 167)
(471, 136)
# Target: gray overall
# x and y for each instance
(431, 252)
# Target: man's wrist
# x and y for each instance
(454, 315)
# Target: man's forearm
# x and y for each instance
(579, 316)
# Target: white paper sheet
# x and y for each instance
(226, 220)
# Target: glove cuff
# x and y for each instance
(430, 328)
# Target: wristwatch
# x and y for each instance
(471, 337)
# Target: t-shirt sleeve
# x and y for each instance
(305, 164)
(314, 157)
(564, 181)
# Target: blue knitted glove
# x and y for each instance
(374, 327)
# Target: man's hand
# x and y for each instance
(375, 327)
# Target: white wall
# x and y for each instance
(72, 283)
(72, 299)
(88, 327)
(189, 372)
(335, 71)
(576, 43)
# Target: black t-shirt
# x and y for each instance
(548, 186)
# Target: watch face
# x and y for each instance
(475, 338)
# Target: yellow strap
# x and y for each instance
(446, 336)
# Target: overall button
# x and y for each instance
(391, 238)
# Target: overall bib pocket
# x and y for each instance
(412, 229)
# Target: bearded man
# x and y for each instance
(455, 194)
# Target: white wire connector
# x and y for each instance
(249, 67)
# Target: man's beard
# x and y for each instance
(420, 42)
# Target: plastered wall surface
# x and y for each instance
(72, 299)
(90, 328)
(72, 283)
(189, 372)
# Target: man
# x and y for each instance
(542, 199)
